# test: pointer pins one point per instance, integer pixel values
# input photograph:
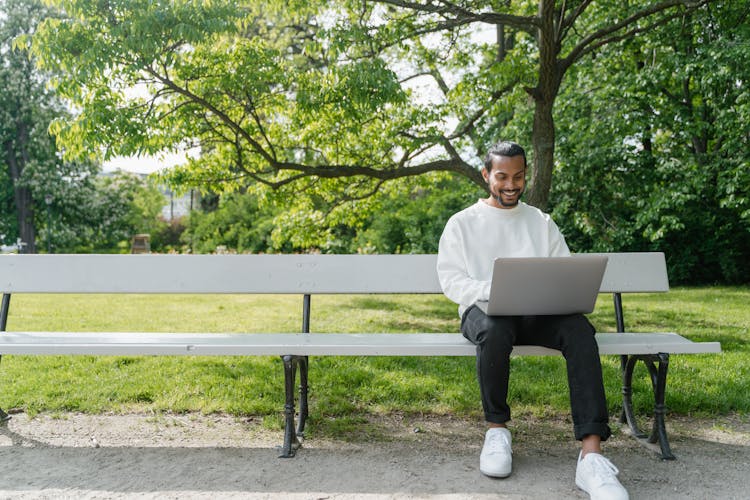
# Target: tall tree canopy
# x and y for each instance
(655, 148)
(27, 151)
(44, 199)
(324, 96)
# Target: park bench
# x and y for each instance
(307, 275)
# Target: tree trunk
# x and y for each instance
(26, 228)
(543, 142)
(24, 204)
(544, 94)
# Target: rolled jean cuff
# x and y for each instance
(583, 430)
(496, 418)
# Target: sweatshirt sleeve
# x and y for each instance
(452, 269)
(557, 245)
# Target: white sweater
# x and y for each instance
(475, 236)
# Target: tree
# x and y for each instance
(238, 223)
(26, 109)
(315, 96)
(404, 217)
(658, 140)
(79, 209)
(121, 204)
(537, 43)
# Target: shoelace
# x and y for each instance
(497, 442)
(603, 470)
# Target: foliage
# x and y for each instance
(8, 220)
(654, 151)
(238, 224)
(145, 202)
(101, 213)
(75, 209)
(124, 204)
(167, 237)
(407, 217)
(404, 217)
(28, 157)
(327, 103)
(411, 218)
(219, 76)
(307, 94)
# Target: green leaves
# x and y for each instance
(239, 82)
(651, 133)
(318, 106)
(356, 89)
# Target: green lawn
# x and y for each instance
(348, 387)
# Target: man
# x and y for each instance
(503, 226)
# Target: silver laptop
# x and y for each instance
(544, 285)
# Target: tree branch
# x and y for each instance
(253, 110)
(602, 36)
(213, 109)
(570, 20)
(467, 126)
(525, 23)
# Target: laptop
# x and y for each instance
(544, 285)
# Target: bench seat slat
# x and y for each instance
(652, 343)
(336, 344)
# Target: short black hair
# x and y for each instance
(503, 148)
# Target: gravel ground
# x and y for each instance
(71, 455)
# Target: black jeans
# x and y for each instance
(573, 335)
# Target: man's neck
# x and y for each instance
(491, 201)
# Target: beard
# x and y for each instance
(499, 198)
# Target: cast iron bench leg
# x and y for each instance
(628, 364)
(657, 365)
(291, 443)
(291, 436)
(4, 417)
(303, 389)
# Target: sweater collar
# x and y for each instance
(499, 212)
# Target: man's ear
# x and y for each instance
(485, 175)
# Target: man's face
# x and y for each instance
(507, 180)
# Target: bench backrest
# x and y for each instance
(274, 274)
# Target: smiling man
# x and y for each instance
(501, 225)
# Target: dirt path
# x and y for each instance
(193, 456)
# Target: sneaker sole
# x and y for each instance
(499, 475)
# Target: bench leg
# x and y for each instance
(4, 417)
(291, 437)
(303, 390)
(291, 442)
(627, 366)
(657, 365)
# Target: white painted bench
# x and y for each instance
(307, 275)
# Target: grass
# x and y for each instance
(344, 388)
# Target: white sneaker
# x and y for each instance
(496, 459)
(597, 476)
